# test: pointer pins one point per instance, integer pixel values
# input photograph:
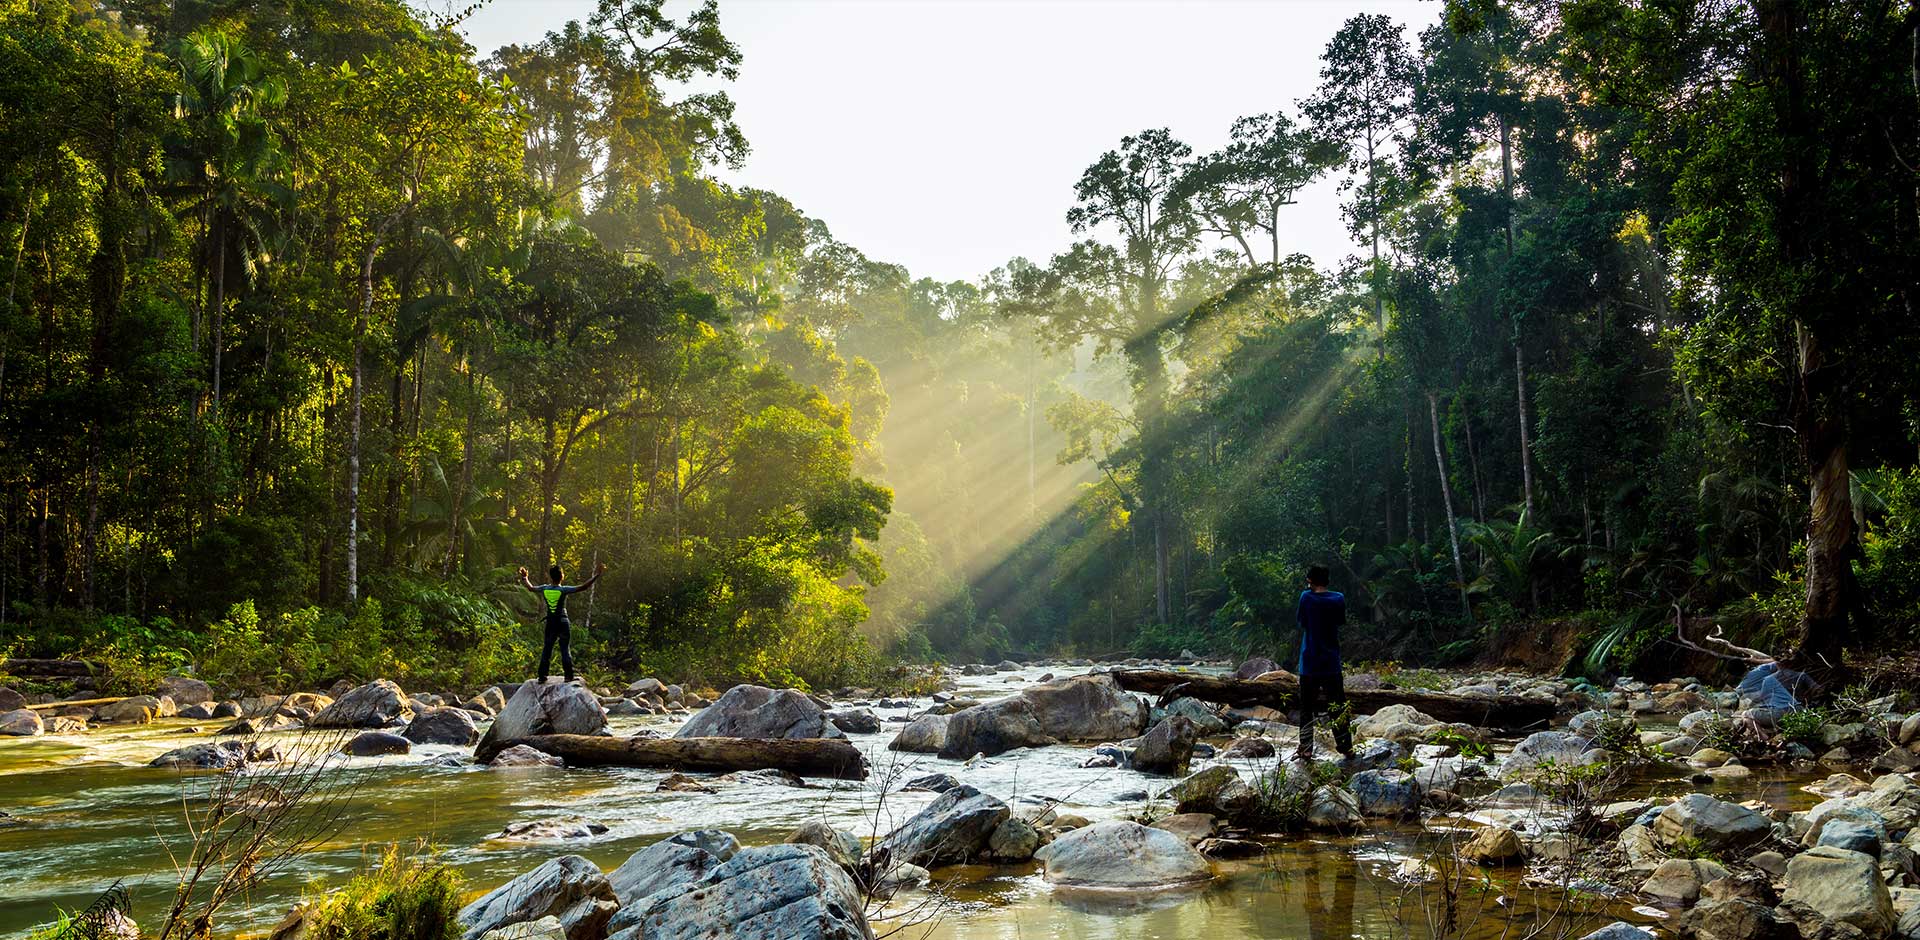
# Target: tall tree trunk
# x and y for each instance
(1526, 438)
(1446, 496)
(456, 516)
(355, 392)
(549, 482)
(1826, 625)
(219, 305)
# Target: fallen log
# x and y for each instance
(44, 706)
(808, 757)
(46, 668)
(1277, 691)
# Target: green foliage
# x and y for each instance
(403, 895)
(1691, 847)
(1468, 747)
(1802, 725)
(1283, 795)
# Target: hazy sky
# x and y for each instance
(946, 135)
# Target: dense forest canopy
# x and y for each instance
(318, 322)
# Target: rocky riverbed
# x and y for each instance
(1021, 798)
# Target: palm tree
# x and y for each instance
(224, 157)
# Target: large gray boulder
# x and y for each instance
(773, 892)
(1206, 721)
(1827, 886)
(993, 728)
(569, 888)
(954, 828)
(926, 734)
(378, 704)
(1167, 748)
(754, 711)
(443, 725)
(1255, 668)
(1217, 791)
(133, 710)
(662, 866)
(1121, 854)
(1080, 708)
(545, 708)
(21, 723)
(1698, 821)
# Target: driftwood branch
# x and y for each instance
(1726, 648)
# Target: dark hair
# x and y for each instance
(554, 573)
(1318, 574)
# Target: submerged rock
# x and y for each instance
(569, 888)
(377, 744)
(753, 711)
(209, 755)
(1120, 854)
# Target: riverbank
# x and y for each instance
(84, 812)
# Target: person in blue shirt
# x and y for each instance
(1770, 690)
(1321, 614)
(553, 595)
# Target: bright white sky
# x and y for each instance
(946, 135)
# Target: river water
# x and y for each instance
(85, 813)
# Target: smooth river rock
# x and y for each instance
(954, 828)
(1077, 709)
(1121, 854)
(443, 725)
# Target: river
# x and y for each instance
(85, 812)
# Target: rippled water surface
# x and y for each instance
(87, 812)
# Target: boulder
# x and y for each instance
(1081, 708)
(1494, 845)
(199, 711)
(546, 928)
(1679, 880)
(11, 700)
(754, 711)
(208, 755)
(1560, 747)
(1333, 807)
(1395, 722)
(954, 828)
(570, 889)
(545, 708)
(926, 734)
(1167, 748)
(444, 725)
(932, 783)
(1736, 919)
(1698, 820)
(521, 755)
(774, 892)
(1376, 754)
(855, 720)
(378, 704)
(1255, 668)
(1192, 827)
(1014, 840)
(1385, 792)
(136, 710)
(21, 723)
(1206, 722)
(842, 846)
(551, 830)
(185, 690)
(1829, 886)
(662, 866)
(1620, 930)
(1249, 748)
(1217, 790)
(377, 744)
(1121, 854)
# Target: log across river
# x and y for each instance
(807, 757)
(1278, 689)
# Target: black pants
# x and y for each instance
(560, 631)
(1325, 694)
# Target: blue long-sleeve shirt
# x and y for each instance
(1320, 616)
